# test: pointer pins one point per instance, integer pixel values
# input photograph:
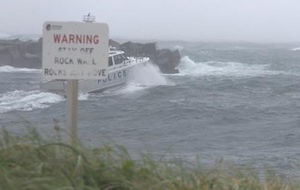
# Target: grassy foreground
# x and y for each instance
(30, 163)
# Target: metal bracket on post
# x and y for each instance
(72, 102)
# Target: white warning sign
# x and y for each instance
(75, 50)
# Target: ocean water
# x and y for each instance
(239, 102)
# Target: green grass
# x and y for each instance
(30, 163)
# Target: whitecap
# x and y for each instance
(178, 47)
(218, 68)
(296, 49)
(25, 37)
(83, 96)
(27, 100)
(131, 87)
(10, 69)
(4, 36)
(147, 75)
(142, 77)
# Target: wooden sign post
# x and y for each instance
(72, 107)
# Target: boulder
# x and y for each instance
(168, 60)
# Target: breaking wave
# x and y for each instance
(296, 49)
(216, 68)
(83, 96)
(25, 37)
(178, 47)
(144, 76)
(27, 100)
(4, 35)
(10, 69)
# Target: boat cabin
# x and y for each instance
(117, 57)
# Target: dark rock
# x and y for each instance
(168, 60)
(114, 44)
(139, 50)
(21, 54)
(29, 54)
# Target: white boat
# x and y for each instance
(118, 72)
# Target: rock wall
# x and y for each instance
(21, 54)
(29, 54)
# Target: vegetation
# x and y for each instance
(30, 163)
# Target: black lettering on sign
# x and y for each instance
(87, 50)
(100, 72)
(63, 60)
(52, 72)
(81, 62)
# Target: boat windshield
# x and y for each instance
(119, 59)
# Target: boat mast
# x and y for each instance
(89, 18)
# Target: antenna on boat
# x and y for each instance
(89, 18)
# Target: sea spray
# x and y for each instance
(188, 67)
(147, 75)
(83, 96)
(144, 76)
(10, 69)
(27, 100)
(296, 49)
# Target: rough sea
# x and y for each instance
(239, 102)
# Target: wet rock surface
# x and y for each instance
(18, 53)
(28, 54)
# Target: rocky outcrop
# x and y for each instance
(21, 54)
(168, 60)
(165, 59)
(29, 54)
(114, 44)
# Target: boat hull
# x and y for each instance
(115, 77)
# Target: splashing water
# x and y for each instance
(10, 69)
(144, 76)
(216, 68)
(83, 96)
(296, 49)
(27, 100)
(178, 47)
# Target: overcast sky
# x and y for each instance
(231, 20)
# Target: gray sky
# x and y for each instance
(246, 20)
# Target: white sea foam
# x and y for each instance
(27, 100)
(10, 69)
(83, 96)
(144, 76)
(178, 47)
(296, 49)
(22, 37)
(25, 37)
(147, 75)
(132, 87)
(4, 35)
(216, 68)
